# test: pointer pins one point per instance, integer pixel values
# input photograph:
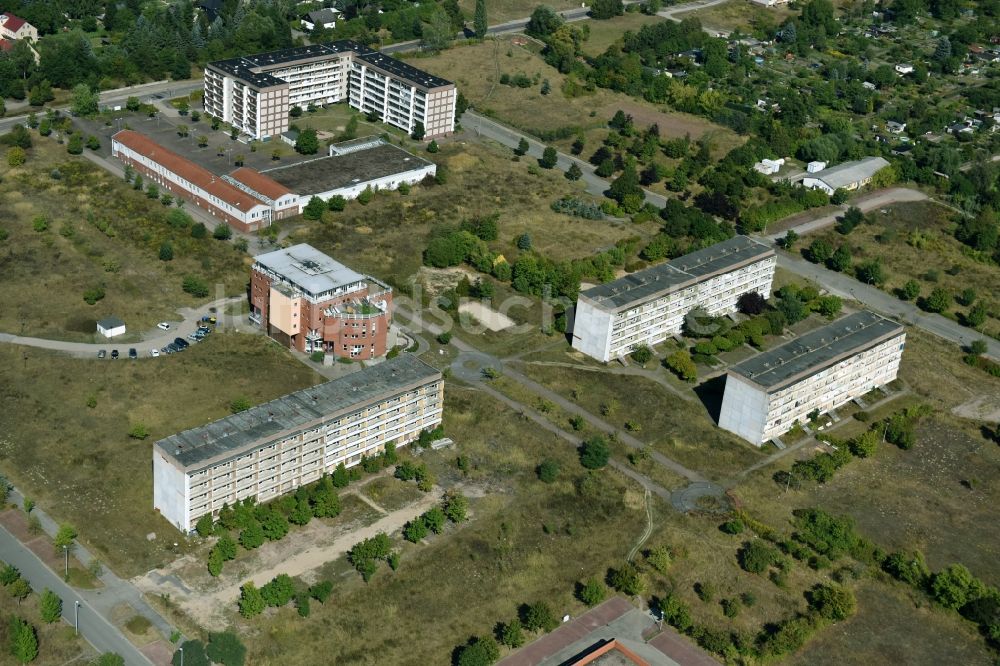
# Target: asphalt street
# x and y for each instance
(98, 631)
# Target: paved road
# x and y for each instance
(151, 339)
(865, 202)
(100, 633)
(847, 287)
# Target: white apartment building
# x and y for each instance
(648, 306)
(821, 370)
(274, 448)
(255, 93)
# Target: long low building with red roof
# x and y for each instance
(183, 178)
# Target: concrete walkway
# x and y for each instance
(865, 203)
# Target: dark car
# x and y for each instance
(132, 353)
(181, 343)
(171, 348)
(114, 353)
(102, 353)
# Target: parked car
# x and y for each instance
(163, 326)
(181, 343)
(194, 337)
(154, 352)
(170, 349)
(102, 353)
(114, 353)
(132, 353)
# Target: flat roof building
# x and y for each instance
(310, 302)
(819, 371)
(646, 307)
(255, 93)
(274, 448)
(847, 176)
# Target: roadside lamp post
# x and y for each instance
(66, 555)
(76, 616)
(181, 650)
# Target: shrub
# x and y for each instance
(591, 592)
(642, 354)
(626, 579)
(512, 633)
(757, 555)
(832, 602)
(660, 558)
(705, 591)
(251, 601)
(225, 648)
(92, 295)
(866, 444)
(675, 612)
(548, 470)
(16, 156)
(734, 526)
(478, 652)
(681, 364)
(594, 453)
(538, 617)
(321, 591)
(138, 431)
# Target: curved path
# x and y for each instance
(154, 339)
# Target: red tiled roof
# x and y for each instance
(188, 170)
(13, 23)
(258, 182)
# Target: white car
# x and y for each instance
(154, 352)
(163, 326)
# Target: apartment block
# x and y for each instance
(821, 370)
(255, 93)
(648, 306)
(274, 448)
(310, 302)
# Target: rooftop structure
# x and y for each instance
(372, 162)
(848, 175)
(648, 306)
(14, 27)
(653, 282)
(768, 394)
(309, 269)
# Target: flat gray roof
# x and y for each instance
(653, 282)
(850, 173)
(358, 166)
(245, 431)
(110, 322)
(308, 269)
(816, 350)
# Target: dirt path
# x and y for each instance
(649, 529)
(208, 607)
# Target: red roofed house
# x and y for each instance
(284, 202)
(13, 27)
(186, 179)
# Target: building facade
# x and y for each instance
(847, 176)
(648, 306)
(255, 93)
(768, 394)
(274, 448)
(309, 302)
(185, 179)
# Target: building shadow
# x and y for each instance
(710, 393)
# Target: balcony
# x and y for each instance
(357, 309)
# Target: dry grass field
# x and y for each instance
(917, 241)
(80, 464)
(476, 70)
(501, 11)
(46, 272)
(603, 34)
(745, 15)
(57, 644)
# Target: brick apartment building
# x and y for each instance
(307, 301)
(255, 93)
(183, 178)
(274, 448)
(821, 370)
(646, 307)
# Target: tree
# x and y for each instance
(215, 563)
(93, 142)
(681, 364)
(479, 651)
(942, 52)
(594, 453)
(751, 303)
(64, 537)
(314, 209)
(337, 203)
(524, 242)
(20, 589)
(977, 315)
(437, 34)
(455, 506)
(549, 158)
(538, 617)
(866, 444)
(548, 470)
(166, 251)
(434, 518)
(852, 218)
(757, 555)
(522, 147)
(606, 9)
(938, 300)
(512, 634)
(415, 530)
(222, 232)
(910, 290)
(321, 591)
(16, 156)
(479, 21)
(418, 131)
(793, 309)
(50, 606)
(252, 536)
(819, 251)
(626, 579)
(204, 527)
(574, 172)
(307, 142)
(251, 601)
(225, 648)
(23, 640)
(840, 260)
(832, 602)
(955, 586)
(591, 592)
(226, 547)
(85, 101)
(194, 654)
(340, 477)
(543, 22)
(432, 147)
(871, 272)
(75, 144)
(198, 230)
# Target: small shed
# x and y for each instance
(110, 327)
(813, 167)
